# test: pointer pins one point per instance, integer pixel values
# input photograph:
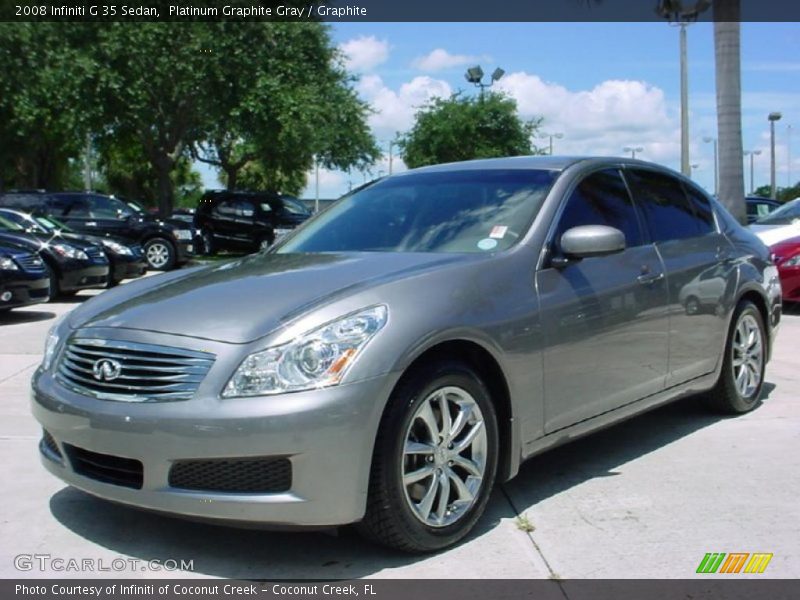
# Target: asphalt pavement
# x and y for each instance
(644, 499)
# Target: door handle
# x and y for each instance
(650, 278)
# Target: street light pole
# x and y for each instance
(633, 150)
(752, 154)
(551, 136)
(475, 76)
(788, 156)
(316, 185)
(772, 117)
(686, 168)
(716, 164)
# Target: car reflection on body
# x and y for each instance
(385, 363)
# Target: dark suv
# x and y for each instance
(246, 221)
(166, 244)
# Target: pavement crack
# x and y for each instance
(552, 574)
(15, 373)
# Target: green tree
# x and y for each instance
(784, 194)
(44, 114)
(465, 127)
(280, 105)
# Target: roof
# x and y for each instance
(550, 163)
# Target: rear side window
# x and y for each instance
(602, 199)
(667, 210)
(702, 208)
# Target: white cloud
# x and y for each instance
(364, 53)
(440, 59)
(603, 120)
(394, 109)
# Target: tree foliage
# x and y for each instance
(466, 127)
(783, 194)
(255, 98)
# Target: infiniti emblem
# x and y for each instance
(106, 369)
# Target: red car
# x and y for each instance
(787, 257)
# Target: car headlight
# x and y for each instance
(794, 261)
(51, 344)
(183, 234)
(319, 358)
(118, 248)
(6, 264)
(68, 251)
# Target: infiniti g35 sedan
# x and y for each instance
(400, 353)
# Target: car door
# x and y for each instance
(223, 215)
(604, 318)
(698, 261)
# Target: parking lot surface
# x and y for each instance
(644, 499)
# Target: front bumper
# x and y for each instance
(327, 435)
(25, 289)
(80, 275)
(184, 250)
(126, 266)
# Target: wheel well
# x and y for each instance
(479, 359)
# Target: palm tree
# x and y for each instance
(727, 58)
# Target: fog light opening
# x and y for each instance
(5, 296)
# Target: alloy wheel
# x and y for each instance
(748, 355)
(444, 457)
(157, 255)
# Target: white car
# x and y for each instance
(780, 225)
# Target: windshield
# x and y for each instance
(52, 224)
(6, 225)
(25, 222)
(788, 213)
(453, 211)
(294, 207)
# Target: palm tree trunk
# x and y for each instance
(729, 106)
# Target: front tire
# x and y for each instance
(435, 460)
(738, 388)
(159, 254)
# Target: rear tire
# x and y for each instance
(738, 388)
(432, 474)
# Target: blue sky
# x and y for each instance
(604, 86)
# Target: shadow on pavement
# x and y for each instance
(238, 553)
(17, 316)
(249, 553)
(601, 453)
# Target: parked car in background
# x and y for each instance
(758, 207)
(392, 359)
(23, 277)
(781, 224)
(166, 244)
(786, 255)
(126, 260)
(71, 265)
(246, 221)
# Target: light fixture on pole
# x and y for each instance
(716, 163)
(752, 154)
(772, 117)
(475, 76)
(551, 136)
(633, 150)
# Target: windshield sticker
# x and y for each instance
(498, 232)
(487, 244)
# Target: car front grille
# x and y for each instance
(106, 468)
(268, 475)
(132, 372)
(30, 263)
(96, 254)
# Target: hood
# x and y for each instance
(243, 300)
(24, 240)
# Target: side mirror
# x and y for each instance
(592, 240)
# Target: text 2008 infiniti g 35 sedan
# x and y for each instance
(404, 350)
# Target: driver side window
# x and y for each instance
(601, 199)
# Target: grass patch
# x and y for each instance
(524, 523)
